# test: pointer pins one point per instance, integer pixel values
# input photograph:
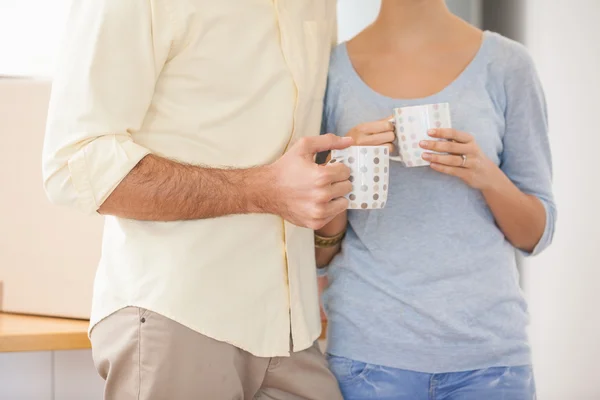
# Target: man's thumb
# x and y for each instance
(309, 146)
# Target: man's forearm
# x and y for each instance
(158, 189)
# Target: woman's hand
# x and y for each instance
(464, 160)
(375, 133)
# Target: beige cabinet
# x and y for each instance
(48, 254)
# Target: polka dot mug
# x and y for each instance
(411, 126)
(369, 167)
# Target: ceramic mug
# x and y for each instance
(411, 125)
(369, 166)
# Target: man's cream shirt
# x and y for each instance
(218, 83)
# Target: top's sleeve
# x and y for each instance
(111, 56)
(526, 157)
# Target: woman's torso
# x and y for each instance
(429, 283)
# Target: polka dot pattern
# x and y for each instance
(412, 124)
(369, 167)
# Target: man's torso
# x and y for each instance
(244, 80)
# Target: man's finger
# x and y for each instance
(309, 146)
(336, 172)
(337, 206)
(340, 189)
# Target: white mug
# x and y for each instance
(369, 167)
(411, 125)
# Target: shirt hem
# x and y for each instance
(303, 345)
(459, 359)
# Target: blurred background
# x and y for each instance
(37, 275)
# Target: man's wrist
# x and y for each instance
(259, 190)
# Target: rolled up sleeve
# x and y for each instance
(111, 57)
(526, 158)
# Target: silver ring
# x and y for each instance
(464, 162)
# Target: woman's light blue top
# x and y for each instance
(430, 283)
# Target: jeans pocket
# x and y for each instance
(347, 370)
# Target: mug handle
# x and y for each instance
(336, 160)
(395, 156)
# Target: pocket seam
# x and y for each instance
(143, 312)
(348, 363)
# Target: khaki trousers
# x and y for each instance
(146, 356)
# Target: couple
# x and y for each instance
(192, 125)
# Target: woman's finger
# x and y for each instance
(391, 148)
(448, 170)
(376, 139)
(372, 128)
(446, 147)
(450, 134)
(445, 159)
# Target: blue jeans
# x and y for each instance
(361, 381)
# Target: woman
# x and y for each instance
(424, 300)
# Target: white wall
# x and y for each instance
(562, 284)
(469, 10)
(506, 17)
(29, 35)
(59, 375)
(354, 15)
(28, 40)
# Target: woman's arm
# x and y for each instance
(521, 217)
(519, 190)
(334, 228)
(375, 133)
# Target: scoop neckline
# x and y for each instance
(457, 82)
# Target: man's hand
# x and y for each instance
(307, 194)
(294, 187)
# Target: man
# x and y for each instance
(192, 126)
